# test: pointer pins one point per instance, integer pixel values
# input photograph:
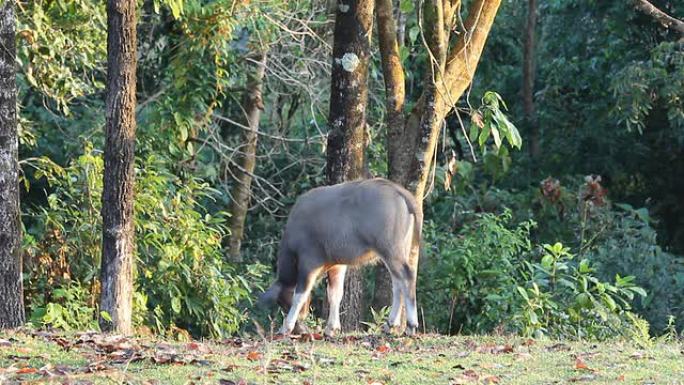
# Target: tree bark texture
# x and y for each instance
(119, 157)
(11, 289)
(253, 105)
(528, 78)
(347, 121)
(412, 145)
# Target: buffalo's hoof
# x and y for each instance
(299, 329)
(331, 332)
(389, 329)
(411, 331)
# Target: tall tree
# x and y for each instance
(528, 79)
(450, 70)
(252, 106)
(119, 157)
(347, 120)
(11, 290)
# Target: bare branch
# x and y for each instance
(663, 18)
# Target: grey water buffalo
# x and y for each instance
(348, 224)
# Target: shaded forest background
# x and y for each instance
(537, 241)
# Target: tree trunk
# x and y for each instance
(448, 84)
(119, 157)
(528, 79)
(11, 290)
(389, 38)
(253, 105)
(412, 144)
(347, 120)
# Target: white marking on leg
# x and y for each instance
(395, 313)
(297, 302)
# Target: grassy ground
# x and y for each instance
(48, 358)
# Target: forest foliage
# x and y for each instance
(586, 241)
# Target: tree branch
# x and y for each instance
(663, 18)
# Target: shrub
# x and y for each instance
(562, 298)
(629, 245)
(472, 273)
(491, 278)
(181, 280)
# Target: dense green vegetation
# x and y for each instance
(583, 240)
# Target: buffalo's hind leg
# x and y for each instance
(394, 319)
(408, 288)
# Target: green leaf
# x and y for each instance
(406, 6)
(105, 316)
(183, 133)
(484, 134)
(639, 291)
(583, 299)
(413, 33)
(497, 138)
(176, 8)
(176, 305)
(474, 132)
(584, 266)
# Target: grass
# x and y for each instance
(28, 357)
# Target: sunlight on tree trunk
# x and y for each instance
(347, 121)
(253, 105)
(412, 144)
(389, 39)
(117, 198)
(11, 290)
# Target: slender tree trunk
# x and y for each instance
(528, 79)
(347, 120)
(11, 290)
(446, 82)
(119, 157)
(253, 105)
(390, 38)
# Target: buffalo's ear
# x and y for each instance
(268, 298)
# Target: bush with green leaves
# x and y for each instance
(561, 297)
(629, 244)
(472, 273)
(182, 280)
(490, 278)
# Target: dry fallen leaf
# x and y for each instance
(384, 348)
(491, 380)
(26, 370)
(471, 374)
(581, 365)
(254, 356)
